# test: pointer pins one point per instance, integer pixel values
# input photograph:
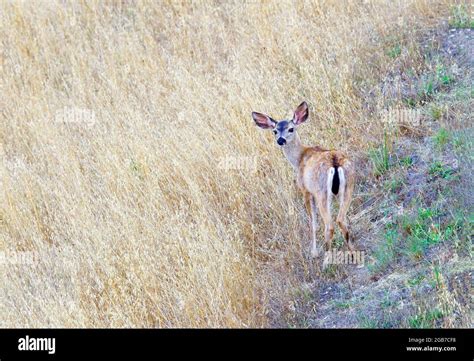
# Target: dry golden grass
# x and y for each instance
(131, 170)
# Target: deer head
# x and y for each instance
(284, 130)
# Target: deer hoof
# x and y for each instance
(314, 252)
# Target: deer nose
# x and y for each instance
(281, 141)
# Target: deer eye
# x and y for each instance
(291, 130)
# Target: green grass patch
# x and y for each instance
(460, 17)
(439, 170)
(342, 305)
(459, 143)
(415, 281)
(430, 83)
(422, 232)
(410, 102)
(459, 230)
(394, 185)
(380, 157)
(387, 302)
(421, 238)
(437, 278)
(443, 76)
(425, 319)
(463, 144)
(386, 251)
(395, 51)
(441, 138)
(436, 112)
(427, 89)
(368, 322)
(406, 162)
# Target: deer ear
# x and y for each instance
(263, 121)
(301, 114)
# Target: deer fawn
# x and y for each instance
(320, 174)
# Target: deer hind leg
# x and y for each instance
(323, 199)
(323, 202)
(314, 225)
(345, 198)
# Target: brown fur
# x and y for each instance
(312, 174)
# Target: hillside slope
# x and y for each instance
(413, 215)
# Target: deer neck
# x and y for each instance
(293, 151)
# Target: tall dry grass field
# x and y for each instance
(135, 189)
